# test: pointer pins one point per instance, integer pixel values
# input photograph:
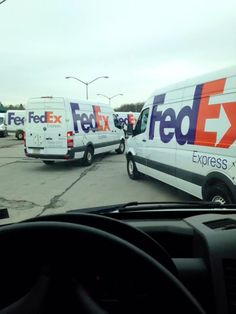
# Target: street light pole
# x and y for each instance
(86, 83)
(87, 91)
(109, 98)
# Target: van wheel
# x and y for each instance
(121, 148)
(133, 173)
(88, 157)
(49, 162)
(19, 135)
(219, 193)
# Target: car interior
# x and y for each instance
(127, 261)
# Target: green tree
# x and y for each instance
(15, 107)
(137, 107)
(2, 109)
(21, 107)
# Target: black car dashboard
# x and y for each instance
(198, 247)
(203, 249)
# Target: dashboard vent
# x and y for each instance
(221, 224)
(229, 266)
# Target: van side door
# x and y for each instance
(140, 135)
(161, 143)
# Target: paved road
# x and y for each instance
(29, 188)
(9, 141)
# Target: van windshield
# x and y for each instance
(102, 109)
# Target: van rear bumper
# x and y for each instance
(69, 155)
(44, 156)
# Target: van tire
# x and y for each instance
(132, 170)
(20, 135)
(4, 134)
(48, 162)
(121, 148)
(88, 156)
(219, 193)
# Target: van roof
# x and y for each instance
(66, 98)
(223, 73)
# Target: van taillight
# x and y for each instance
(70, 133)
(24, 139)
(70, 140)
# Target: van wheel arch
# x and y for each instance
(217, 184)
(90, 145)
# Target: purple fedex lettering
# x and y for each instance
(87, 122)
(192, 114)
(13, 119)
(76, 116)
(158, 100)
(36, 118)
(168, 119)
(123, 121)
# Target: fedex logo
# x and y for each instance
(199, 116)
(13, 119)
(47, 117)
(129, 119)
(94, 121)
(123, 121)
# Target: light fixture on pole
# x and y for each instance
(86, 83)
(109, 98)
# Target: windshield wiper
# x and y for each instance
(154, 206)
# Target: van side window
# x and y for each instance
(142, 122)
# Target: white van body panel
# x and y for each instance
(63, 128)
(190, 134)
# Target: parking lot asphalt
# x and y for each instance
(30, 188)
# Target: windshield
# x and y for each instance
(114, 102)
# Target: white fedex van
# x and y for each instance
(185, 136)
(61, 128)
(3, 126)
(15, 123)
(127, 118)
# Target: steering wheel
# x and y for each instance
(62, 267)
(120, 229)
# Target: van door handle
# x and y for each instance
(144, 140)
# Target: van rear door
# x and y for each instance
(46, 126)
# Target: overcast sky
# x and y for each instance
(140, 44)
